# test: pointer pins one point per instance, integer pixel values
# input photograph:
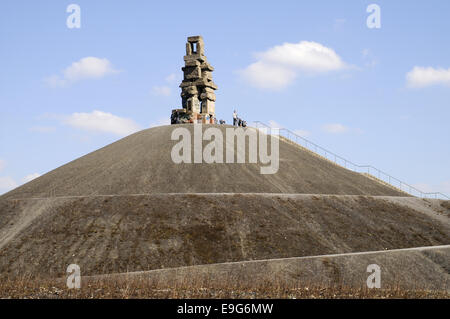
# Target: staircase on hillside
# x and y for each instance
(366, 170)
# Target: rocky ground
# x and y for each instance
(114, 234)
(50, 289)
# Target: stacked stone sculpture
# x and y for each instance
(197, 88)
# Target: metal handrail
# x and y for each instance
(365, 169)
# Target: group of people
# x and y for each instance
(238, 121)
(180, 117)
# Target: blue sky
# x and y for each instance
(375, 96)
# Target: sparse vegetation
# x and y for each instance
(195, 287)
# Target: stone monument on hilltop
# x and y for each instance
(197, 88)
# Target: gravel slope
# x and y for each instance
(416, 268)
(111, 234)
(141, 163)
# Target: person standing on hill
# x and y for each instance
(234, 118)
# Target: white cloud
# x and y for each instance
(161, 90)
(55, 81)
(30, 177)
(369, 58)
(302, 133)
(279, 66)
(424, 187)
(274, 124)
(161, 122)
(172, 78)
(420, 77)
(102, 122)
(86, 68)
(268, 76)
(166, 90)
(311, 56)
(335, 128)
(442, 187)
(6, 184)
